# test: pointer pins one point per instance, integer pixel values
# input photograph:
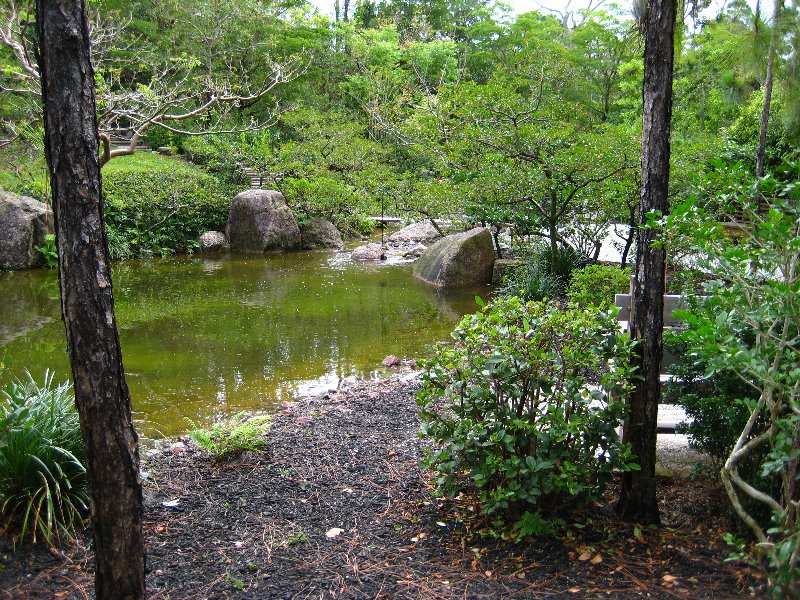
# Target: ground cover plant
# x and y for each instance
(523, 407)
(231, 436)
(43, 487)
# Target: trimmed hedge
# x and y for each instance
(157, 205)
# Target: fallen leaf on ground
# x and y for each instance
(333, 532)
(585, 556)
(597, 559)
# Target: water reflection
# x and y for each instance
(202, 337)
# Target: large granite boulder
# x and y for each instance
(23, 224)
(458, 260)
(260, 221)
(320, 233)
(423, 231)
(213, 241)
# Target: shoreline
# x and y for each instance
(337, 507)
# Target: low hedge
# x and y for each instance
(157, 205)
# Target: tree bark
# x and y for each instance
(762, 136)
(87, 305)
(638, 501)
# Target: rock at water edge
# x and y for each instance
(458, 260)
(320, 233)
(24, 222)
(260, 221)
(213, 241)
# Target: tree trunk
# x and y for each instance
(101, 394)
(762, 137)
(638, 501)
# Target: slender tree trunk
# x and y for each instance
(762, 137)
(638, 501)
(87, 306)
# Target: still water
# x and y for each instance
(206, 337)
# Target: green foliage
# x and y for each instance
(717, 406)
(232, 436)
(157, 205)
(530, 281)
(541, 276)
(43, 487)
(749, 325)
(49, 251)
(595, 285)
(524, 407)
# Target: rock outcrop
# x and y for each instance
(24, 222)
(423, 231)
(213, 241)
(260, 221)
(458, 260)
(318, 233)
(371, 251)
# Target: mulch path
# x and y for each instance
(337, 507)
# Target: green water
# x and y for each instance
(205, 337)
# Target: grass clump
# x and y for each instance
(231, 436)
(43, 486)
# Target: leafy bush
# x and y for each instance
(595, 285)
(566, 260)
(749, 325)
(157, 205)
(231, 436)
(530, 281)
(512, 412)
(539, 277)
(43, 488)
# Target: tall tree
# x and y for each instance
(87, 304)
(638, 501)
(773, 50)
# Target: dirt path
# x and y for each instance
(338, 508)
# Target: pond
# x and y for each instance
(206, 337)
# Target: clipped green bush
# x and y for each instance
(524, 407)
(595, 285)
(43, 487)
(231, 436)
(157, 205)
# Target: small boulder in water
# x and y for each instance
(390, 361)
(372, 251)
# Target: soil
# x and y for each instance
(338, 507)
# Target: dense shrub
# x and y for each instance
(223, 155)
(157, 205)
(595, 285)
(529, 281)
(540, 277)
(512, 412)
(748, 325)
(43, 489)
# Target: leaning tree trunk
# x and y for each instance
(87, 306)
(638, 501)
(762, 136)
